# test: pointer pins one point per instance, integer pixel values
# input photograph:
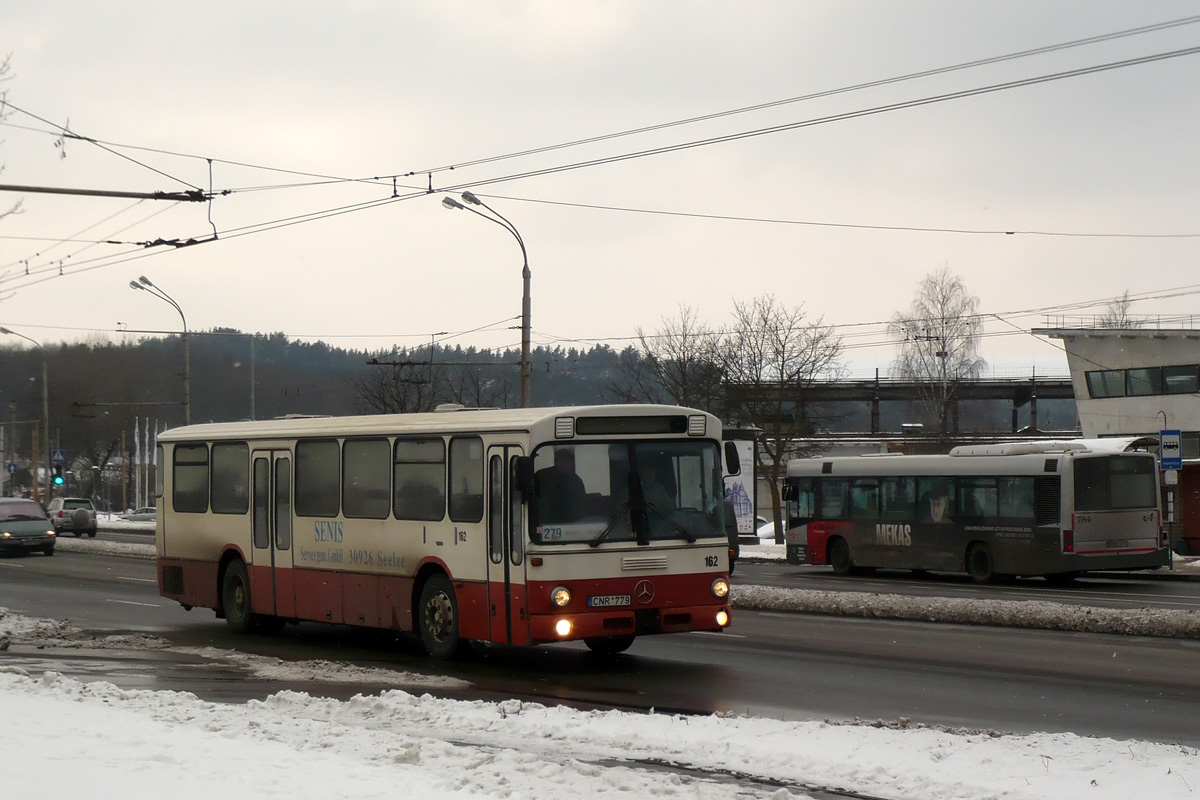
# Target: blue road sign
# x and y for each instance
(1170, 450)
(58, 456)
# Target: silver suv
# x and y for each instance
(76, 515)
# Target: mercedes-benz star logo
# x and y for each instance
(644, 592)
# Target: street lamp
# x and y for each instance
(45, 408)
(526, 367)
(143, 283)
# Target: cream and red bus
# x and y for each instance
(1054, 509)
(515, 526)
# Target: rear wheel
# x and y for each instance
(437, 617)
(608, 645)
(235, 597)
(979, 563)
(839, 556)
(91, 534)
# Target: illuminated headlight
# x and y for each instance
(722, 618)
(50, 532)
(720, 588)
(560, 596)
(5, 535)
(563, 627)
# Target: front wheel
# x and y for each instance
(608, 645)
(235, 598)
(979, 563)
(839, 557)
(49, 551)
(437, 618)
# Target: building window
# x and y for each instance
(1106, 383)
(1143, 381)
(1181, 380)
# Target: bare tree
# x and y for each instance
(769, 358)
(5, 76)
(398, 386)
(1116, 314)
(678, 363)
(938, 340)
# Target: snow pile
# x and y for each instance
(140, 744)
(1176, 623)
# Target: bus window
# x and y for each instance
(190, 478)
(864, 498)
(935, 499)
(419, 486)
(1015, 498)
(898, 499)
(230, 478)
(1108, 482)
(977, 503)
(365, 478)
(801, 502)
(834, 494)
(466, 479)
(317, 478)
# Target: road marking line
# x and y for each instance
(132, 603)
(137, 580)
(14, 566)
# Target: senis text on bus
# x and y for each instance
(326, 531)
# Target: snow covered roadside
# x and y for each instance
(65, 738)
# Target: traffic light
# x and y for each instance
(57, 480)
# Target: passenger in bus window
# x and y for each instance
(560, 492)
(652, 489)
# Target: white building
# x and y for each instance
(1137, 382)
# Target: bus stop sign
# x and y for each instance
(1170, 450)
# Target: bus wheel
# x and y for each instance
(839, 556)
(235, 597)
(608, 645)
(979, 563)
(437, 619)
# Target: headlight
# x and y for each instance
(722, 618)
(560, 596)
(5, 535)
(720, 588)
(563, 627)
(50, 532)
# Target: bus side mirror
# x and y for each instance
(523, 474)
(732, 462)
(790, 492)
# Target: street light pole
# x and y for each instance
(46, 445)
(145, 285)
(499, 219)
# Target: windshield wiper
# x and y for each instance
(691, 537)
(612, 524)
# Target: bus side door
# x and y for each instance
(272, 585)
(507, 617)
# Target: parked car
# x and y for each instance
(76, 515)
(25, 526)
(144, 514)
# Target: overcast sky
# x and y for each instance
(289, 99)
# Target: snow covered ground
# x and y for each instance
(64, 738)
(61, 737)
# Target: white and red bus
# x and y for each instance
(516, 526)
(1052, 509)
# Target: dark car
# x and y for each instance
(76, 515)
(25, 526)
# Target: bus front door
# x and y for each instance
(508, 619)
(272, 587)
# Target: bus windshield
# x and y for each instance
(628, 491)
